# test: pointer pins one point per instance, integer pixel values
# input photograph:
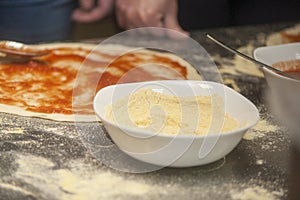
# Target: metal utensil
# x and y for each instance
(246, 57)
(20, 50)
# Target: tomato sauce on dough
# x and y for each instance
(290, 67)
(49, 84)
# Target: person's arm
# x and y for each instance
(89, 12)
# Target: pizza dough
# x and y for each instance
(288, 35)
(62, 85)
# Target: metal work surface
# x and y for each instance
(44, 159)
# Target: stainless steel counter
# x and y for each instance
(43, 159)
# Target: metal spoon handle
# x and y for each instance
(244, 55)
(17, 49)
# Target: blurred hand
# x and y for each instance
(89, 12)
(148, 13)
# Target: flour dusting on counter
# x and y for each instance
(13, 130)
(80, 181)
(239, 65)
(256, 193)
(261, 129)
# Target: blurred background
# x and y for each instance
(34, 21)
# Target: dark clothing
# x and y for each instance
(195, 14)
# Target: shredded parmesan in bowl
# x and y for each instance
(168, 114)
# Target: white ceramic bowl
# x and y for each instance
(284, 95)
(180, 150)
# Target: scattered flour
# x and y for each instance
(259, 162)
(262, 128)
(232, 83)
(15, 188)
(81, 181)
(256, 193)
(12, 131)
(240, 65)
